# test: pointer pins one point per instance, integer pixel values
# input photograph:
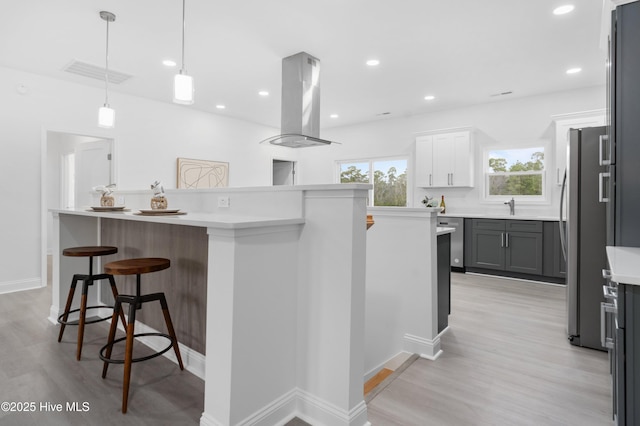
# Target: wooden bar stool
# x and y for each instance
(87, 280)
(136, 267)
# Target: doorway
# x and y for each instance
(284, 172)
(73, 165)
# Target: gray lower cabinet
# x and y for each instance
(625, 356)
(444, 281)
(506, 245)
(554, 263)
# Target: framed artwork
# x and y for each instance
(194, 174)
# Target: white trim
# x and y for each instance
(21, 285)
(303, 405)
(319, 412)
(426, 348)
(277, 412)
(193, 361)
(448, 130)
(579, 115)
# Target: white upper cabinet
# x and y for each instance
(564, 123)
(444, 159)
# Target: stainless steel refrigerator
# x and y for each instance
(584, 234)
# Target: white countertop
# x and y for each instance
(500, 216)
(207, 220)
(624, 263)
(441, 230)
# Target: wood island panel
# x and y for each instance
(184, 283)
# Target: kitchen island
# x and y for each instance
(273, 296)
(402, 286)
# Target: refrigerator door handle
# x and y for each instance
(602, 149)
(601, 178)
(563, 242)
(606, 308)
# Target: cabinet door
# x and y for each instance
(563, 124)
(443, 154)
(553, 263)
(424, 161)
(487, 250)
(462, 160)
(444, 281)
(524, 252)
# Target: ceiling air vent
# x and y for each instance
(93, 71)
(495, 95)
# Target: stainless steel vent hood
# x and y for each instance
(300, 113)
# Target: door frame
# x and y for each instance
(44, 212)
(287, 160)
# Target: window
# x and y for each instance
(388, 176)
(517, 173)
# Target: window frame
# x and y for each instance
(370, 161)
(544, 198)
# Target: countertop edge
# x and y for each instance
(205, 220)
(624, 264)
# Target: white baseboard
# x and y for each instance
(193, 361)
(316, 411)
(303, 405)
(279, 412)
(21, 285)
(391, 364)
(426, 348)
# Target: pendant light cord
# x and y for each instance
(106, 74)
(182, 70)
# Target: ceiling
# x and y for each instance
(460, 51)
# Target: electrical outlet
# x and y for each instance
(121, 200)
(223, 202)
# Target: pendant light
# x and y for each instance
(183, 83)
(106, 115)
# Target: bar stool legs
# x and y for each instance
(87, 280)
(135, 303)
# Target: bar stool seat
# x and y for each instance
(136, 267)
(87, 280)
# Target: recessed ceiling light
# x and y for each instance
(169, 63)
(373, 62)
(220, 106)
(574, 70)
(334, 116)
(563, 9)
(263, 93)
(429, 97)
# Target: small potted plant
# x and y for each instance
(159, 200)
(429, 202)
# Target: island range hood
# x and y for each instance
(300, 113)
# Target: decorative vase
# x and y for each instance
(107, 201)
(159, 203)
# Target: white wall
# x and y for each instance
(148, 138)
(500, 123)
(150, 135)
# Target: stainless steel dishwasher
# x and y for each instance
(457, 240)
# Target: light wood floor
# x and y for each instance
(35, 367)
(506, 361)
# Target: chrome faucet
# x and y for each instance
(512, 206)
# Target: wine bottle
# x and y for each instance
(442, 204)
